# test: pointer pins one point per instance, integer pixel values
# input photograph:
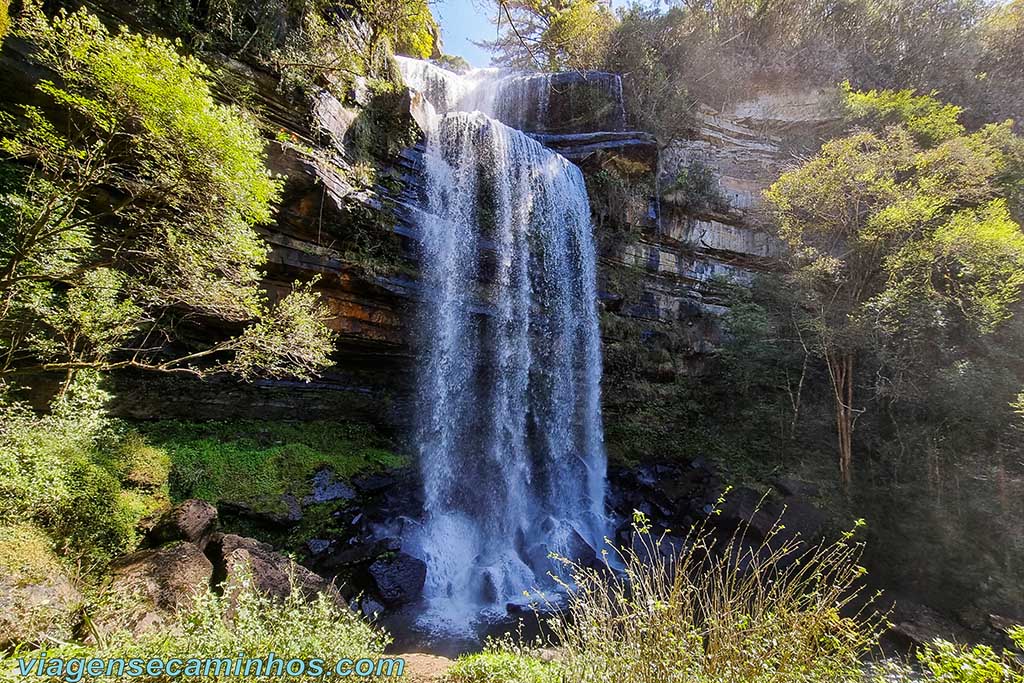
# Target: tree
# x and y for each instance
(128, 210)
(551, 35)
(902, 242)
(651, 52)
(1002, 42)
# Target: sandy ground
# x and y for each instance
(423, 668)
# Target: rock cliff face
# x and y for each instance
(711, 225)
(358, 235)
(354, 182)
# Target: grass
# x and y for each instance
(726, 612)
(242, 622)
(502, 662)
(249, 460)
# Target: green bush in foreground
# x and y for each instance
(503, 662)
(946, 662)
(75, 475)
(742, 613)
(243, 622)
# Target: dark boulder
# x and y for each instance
(317, 547)
(327, 489)
(156, 583)
(788, 486)
(282, 511)
(370, 608)
(272, 573)
(745, 507)
(193, 521)
(399, 579)
(376, 482)
(914, 625)
(357, 551)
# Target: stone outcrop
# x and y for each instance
(154, 584)
(398, 579)
(239, 558)
(697, 242)
(192, 520)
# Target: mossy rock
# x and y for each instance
(144, 466)
(38, 601)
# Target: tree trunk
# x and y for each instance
(840, 369)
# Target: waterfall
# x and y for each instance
(508, 427)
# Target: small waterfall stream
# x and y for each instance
(508, 426)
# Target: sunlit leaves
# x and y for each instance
(133, 208)
(901, 232)
(926, 118)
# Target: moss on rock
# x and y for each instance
(38, 601)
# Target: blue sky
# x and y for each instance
(463, 21)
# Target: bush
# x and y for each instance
(946, 662)
(242, 622)
(502, 662)
(696, 189)
(73, 473)
(37, 599)
(731, 612)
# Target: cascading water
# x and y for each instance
(508, 397)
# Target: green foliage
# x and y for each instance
(409, 25)
(502, 662)
(1001, 38)
(5, 19)
(322, 50)
(454, 63)
(552, 35)
(888, 225)
(249, 461)
(694, 614)
(647, 51)
(946, 662)
(242, 620)
(930, 121)
(903, 246)
(723, 51)
(77, 476)
(696, 189)
(618, 203)
(142, 213)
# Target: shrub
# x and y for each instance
(502, 662)
(696, 189)
(946, 662)
(243, 622)
(733, 612)
(66, 472)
